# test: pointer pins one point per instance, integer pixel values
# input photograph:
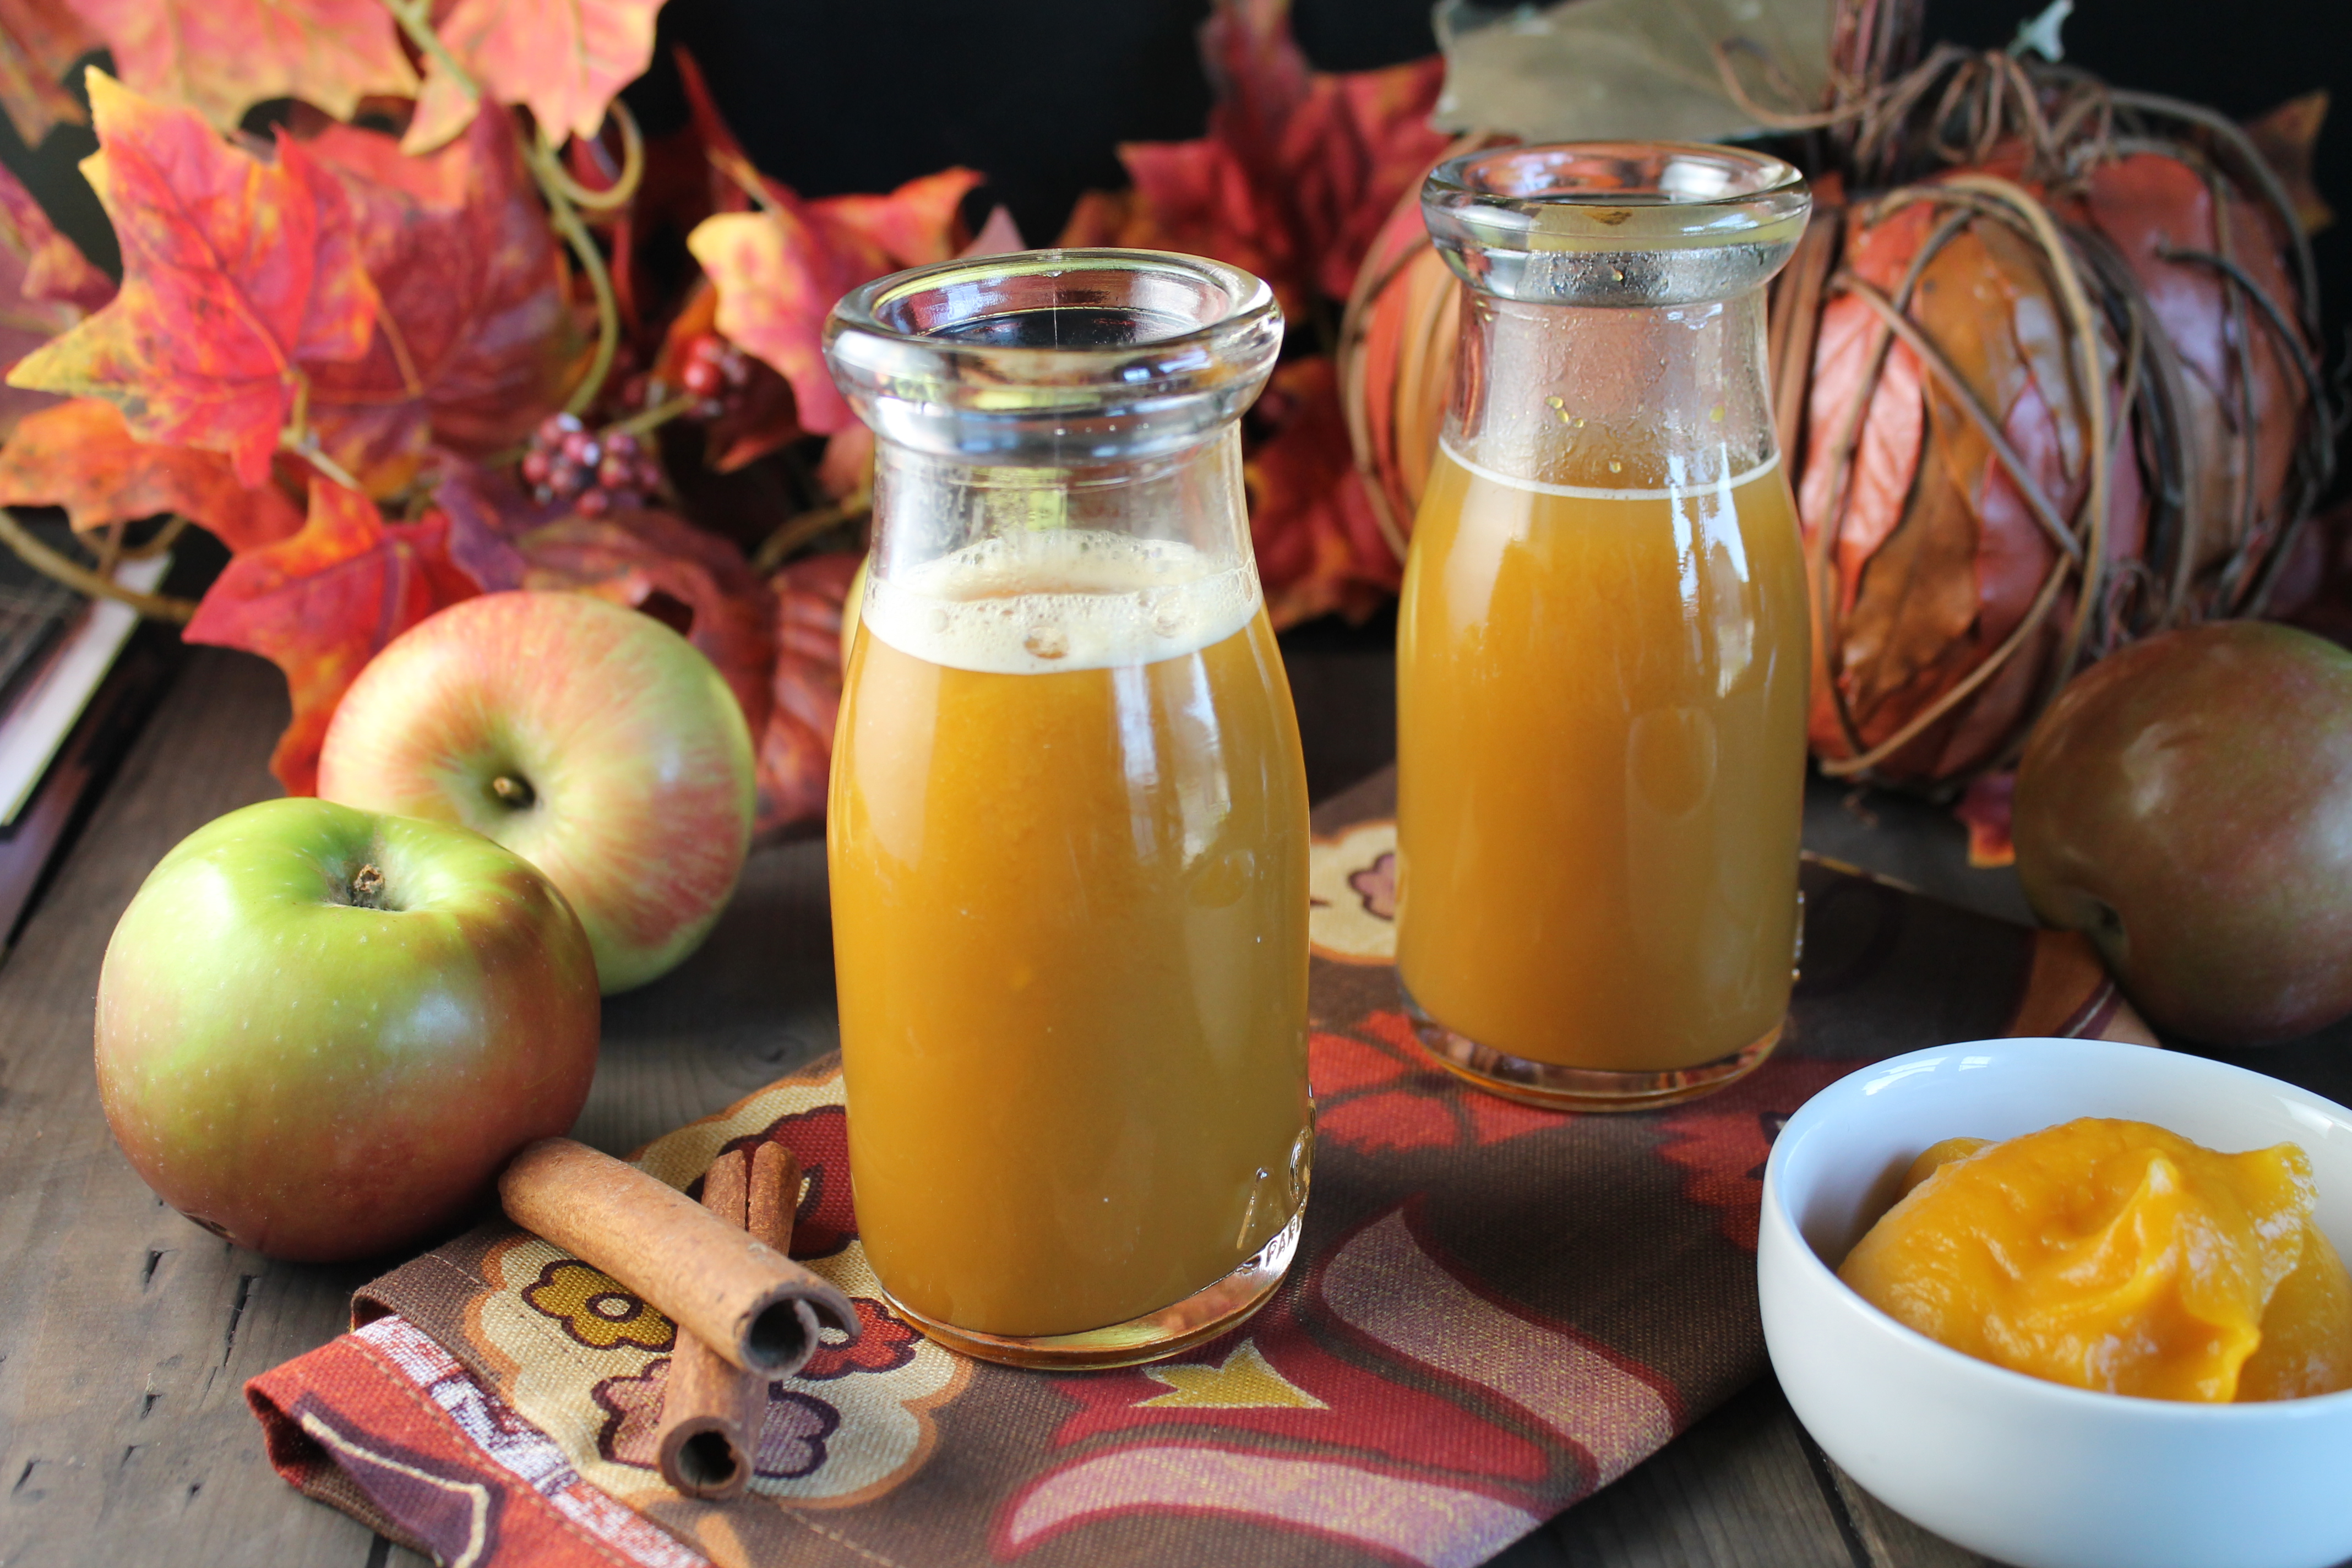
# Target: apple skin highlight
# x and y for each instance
(587, 737)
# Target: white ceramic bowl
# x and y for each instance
(2030, 1472)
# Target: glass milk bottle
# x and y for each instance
(1603, 650)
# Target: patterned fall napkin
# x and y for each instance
(1494, 1311)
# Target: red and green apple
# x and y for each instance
(321, 1031)
(587, 737)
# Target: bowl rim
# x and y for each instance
(1818, 1111)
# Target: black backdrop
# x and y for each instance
(858, 94)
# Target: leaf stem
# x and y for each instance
(416, 19)
(798, 529)
(652, 418)
(624, 189)
(305, 447)
(81, 579)
(565, 219)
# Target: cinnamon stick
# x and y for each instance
(741, 1297)
(712, 1413)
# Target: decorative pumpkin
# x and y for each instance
(2054, 389)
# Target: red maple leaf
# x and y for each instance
(240, 278)
(562, 60)
(220, 58)
(1319, 541)
(80, 456)
(474, 340)
(1376, 1092)
(796, 745)
(39, 40)
(321, 605)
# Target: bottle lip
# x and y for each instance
(1055, 356)
(1615, 223)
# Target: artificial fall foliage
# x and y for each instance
(409, 347)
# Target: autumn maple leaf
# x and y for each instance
(220, 58)
(39, 40)
(80, 456)
(323, 603)
(1298, 172)
(474, 340)
(239, 278)
(779, 271)
(562, 60)
(46, 286)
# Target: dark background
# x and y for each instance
(1037, 93)
(833, 97)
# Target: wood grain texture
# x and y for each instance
(1735, 1492)
(126, 1333)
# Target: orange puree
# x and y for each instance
(2119, 1257)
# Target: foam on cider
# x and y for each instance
(1033, 603)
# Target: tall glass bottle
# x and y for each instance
(1603, 643)
(1068, 826)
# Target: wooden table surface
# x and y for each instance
(126, 1333)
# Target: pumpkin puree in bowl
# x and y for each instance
(2118, 1257)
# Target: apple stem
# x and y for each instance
(515, 792)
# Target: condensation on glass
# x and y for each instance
(1603, 654)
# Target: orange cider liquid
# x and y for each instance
(1068, 849)
(1601, 766)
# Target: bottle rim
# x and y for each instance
(1615, 223)
(1055, 356)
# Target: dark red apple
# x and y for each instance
(321, 1031)
(2187, 805)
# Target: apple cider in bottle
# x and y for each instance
(1602, 645)
(1067, 831)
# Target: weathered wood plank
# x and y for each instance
(126, 1332)
(1735, 1492)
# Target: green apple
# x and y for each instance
(321, 1031)
(587, 737)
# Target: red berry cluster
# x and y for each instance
(567, 461)
(715, 373)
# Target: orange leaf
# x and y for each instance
(39, 41)
(80, 456)
(220, 58)
(321, 605)
(473, 340)
(778, 272)
(238, 278)
(563, 59)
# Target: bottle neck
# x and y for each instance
(1662, 397)
(928, 506)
